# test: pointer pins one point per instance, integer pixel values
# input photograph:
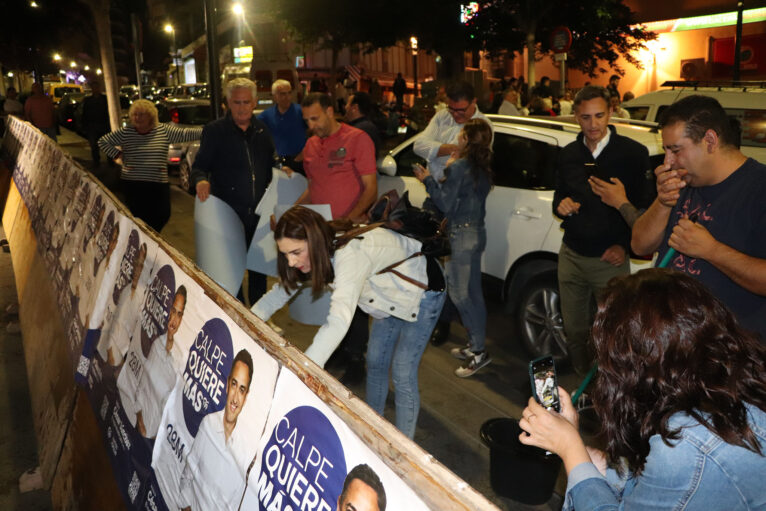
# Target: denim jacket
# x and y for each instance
(357, 283)
(460, 199)
(698, 471)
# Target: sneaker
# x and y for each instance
(473, 364)
(462, 353)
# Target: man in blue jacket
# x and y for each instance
(234, 163)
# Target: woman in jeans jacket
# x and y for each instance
(404, 303)
(463, 198)
(681, 393)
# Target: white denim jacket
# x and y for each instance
(355, 266)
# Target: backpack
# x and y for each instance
(399, 215)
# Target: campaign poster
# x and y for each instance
(103, 261)
(219, 241)
(214, 417)
(310, 459)
(75, 298)
(283, 189)
(51, 214)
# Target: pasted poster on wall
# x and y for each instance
(310, 459)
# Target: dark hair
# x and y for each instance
(317, 97)
(363, 101)
(301, 223)
(613, 77)
(591, 92)
(10, 89)
(664, 345)
(368, 476)
(628, 96)
(181, 291)
(478, 148)
(701, 113)
(244, 357)
(457, 91)
(544, 79)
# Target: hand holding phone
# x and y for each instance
(545, 387)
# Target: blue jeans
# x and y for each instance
(403, 343)
(463, 270)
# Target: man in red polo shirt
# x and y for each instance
(339, 161)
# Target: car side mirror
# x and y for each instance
(387, 166)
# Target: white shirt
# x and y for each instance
(158, 379)
(601, 143)
(356, 283)
(508, 108)
(441, 130)
(213, 478)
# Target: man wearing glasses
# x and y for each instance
(439, 140)
(436, 144)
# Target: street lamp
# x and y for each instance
(98, 71)
(414, 46)
(34, 5)
(56, 57)
(170, 30)
(73, 64)
(239, 11)
(86, 68)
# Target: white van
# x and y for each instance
(745, 102)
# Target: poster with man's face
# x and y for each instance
(307, 457)
(213, 419)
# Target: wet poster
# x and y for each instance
(308, 457)
(213, 419)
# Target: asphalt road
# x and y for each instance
(452, 409)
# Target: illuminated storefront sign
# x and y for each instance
(725, 19)
(243, 54)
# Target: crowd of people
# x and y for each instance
(681, 385)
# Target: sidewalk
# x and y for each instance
(18, 444)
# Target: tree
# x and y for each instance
(602, 31)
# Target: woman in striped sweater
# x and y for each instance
(142, 150)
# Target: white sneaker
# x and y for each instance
(462, 353)
(473, 364)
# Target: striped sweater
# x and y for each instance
(145, 157)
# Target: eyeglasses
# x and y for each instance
(458, 110)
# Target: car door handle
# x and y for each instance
(528, 213)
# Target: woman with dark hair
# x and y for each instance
(463, 198)
(379, 270)
(681, 393)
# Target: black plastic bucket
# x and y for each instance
(517, 471)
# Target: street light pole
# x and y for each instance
(214, 71)
(414, 45)
(171, 30)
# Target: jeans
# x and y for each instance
(148, 201)
(398, 346)
(463, 270)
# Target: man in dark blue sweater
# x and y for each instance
(603, 179)
(234, 163)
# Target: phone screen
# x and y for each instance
(542, 373)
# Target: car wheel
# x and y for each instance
(184, 175)
(540, 320)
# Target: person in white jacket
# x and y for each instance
(383, 273)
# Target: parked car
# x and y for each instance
(67, 107)
(523, 235)
(742, 101)
(184, 113)
(190, 90)
(57, 90)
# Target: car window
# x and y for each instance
(638, 113)
(196, 114)
(520, 162)
(753, 125)
(405, 160)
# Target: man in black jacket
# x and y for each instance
(602, 179)
(234, 163)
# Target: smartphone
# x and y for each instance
(545, 387)
(591, 169)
